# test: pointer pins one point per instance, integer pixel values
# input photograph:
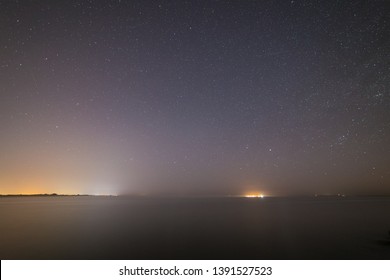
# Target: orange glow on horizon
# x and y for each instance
(35, 186)
(254, 195)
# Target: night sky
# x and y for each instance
(195, 97)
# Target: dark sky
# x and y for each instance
(195, 97)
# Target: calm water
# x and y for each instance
(201, 228)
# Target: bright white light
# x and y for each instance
(254, 196)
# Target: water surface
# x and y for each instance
(194, 228)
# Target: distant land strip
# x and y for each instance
(44, 194)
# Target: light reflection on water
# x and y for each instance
(199, 228)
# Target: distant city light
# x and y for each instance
(255, 195)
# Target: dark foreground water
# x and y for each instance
(197, 228)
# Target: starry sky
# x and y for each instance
(195, 97)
